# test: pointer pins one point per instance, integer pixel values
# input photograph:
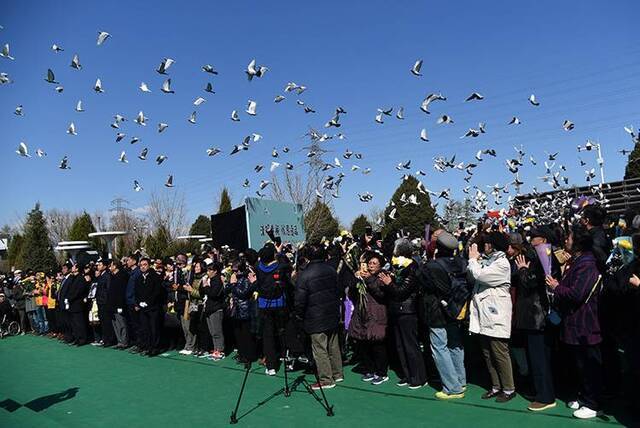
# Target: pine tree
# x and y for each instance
(320, 222)
(37, 252)
(633, 164)
(15, 251)
(359, 225)
(410, 219)
(202, 226)
(156, 245)
(225, 201)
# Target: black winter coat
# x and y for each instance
(148, 289)
(102, 287)
(532, 301)
(77, 293)
(117, 291)
(402, 293)
(215, 295)
(317, 298)
(601, 247)
(241, 292)
(436, 284)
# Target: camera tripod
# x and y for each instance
(286, 360)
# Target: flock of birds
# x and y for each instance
(330, 185)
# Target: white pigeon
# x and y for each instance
(162, 126)
(199, 101)
(192, 118)
(166, 87)
(136, 186)
(208, 68)
(40, 153)
(119, 137)
(392, 214)
(255, 71)
(212, 151)
(56, 48)
(400, 113)
(23, 150)
(532, 100)
(274, 165)
(264, 183)
(141, 119)
(415, 70)
(5, 52)
(75, 62)
(143, 154)
(278, 98)
(19, 111)
(4, 78)
(59, 89)
(337, 163)
(79, 108)
(378, 118)
(567, 125)
(98, 86)
(164, 65)
(161, 158)
(102, 37)
(123, 157)
(251, 108)
(234, 116)
(72, 129)
(144, 87)
(514, 121)
(423, 135)
(169, 182)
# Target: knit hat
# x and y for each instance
(447, 240)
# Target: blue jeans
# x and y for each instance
(41, 320)
(448, 354)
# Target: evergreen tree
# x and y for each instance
(632, 169)
(80, 229)
(157, 244)
(202, 226)
(225, 201)
(15, 251)
(320, 222)
(456, 212)
(37, 253)
(410, 219)
(359, 225)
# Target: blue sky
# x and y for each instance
(580, 58)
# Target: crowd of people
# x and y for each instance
(549, 310)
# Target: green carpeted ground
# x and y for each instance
(45, 383)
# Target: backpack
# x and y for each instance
(455, 303)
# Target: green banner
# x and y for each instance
(284, 219)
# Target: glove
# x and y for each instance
(119, 310)
(143, 304)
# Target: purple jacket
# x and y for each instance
(581, 325)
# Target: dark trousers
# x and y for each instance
(106, 326)
(133, 324)
(78, 327)
(150, 327)
(405, 329)
(274, 322)
(22, 318)
(65, 317)
(374, 357)
(51, 319)
(245, 341)
(540, 359)
(589, 364)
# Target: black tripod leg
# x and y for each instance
(233, 419)
(324, 401)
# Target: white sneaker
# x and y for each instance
(573, 405)
(270, 372)
(186, 352)
(585, 413)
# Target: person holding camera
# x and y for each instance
(242, 287)
(212, 288)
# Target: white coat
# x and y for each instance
(491, 307)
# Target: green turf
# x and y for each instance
(118, 389)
